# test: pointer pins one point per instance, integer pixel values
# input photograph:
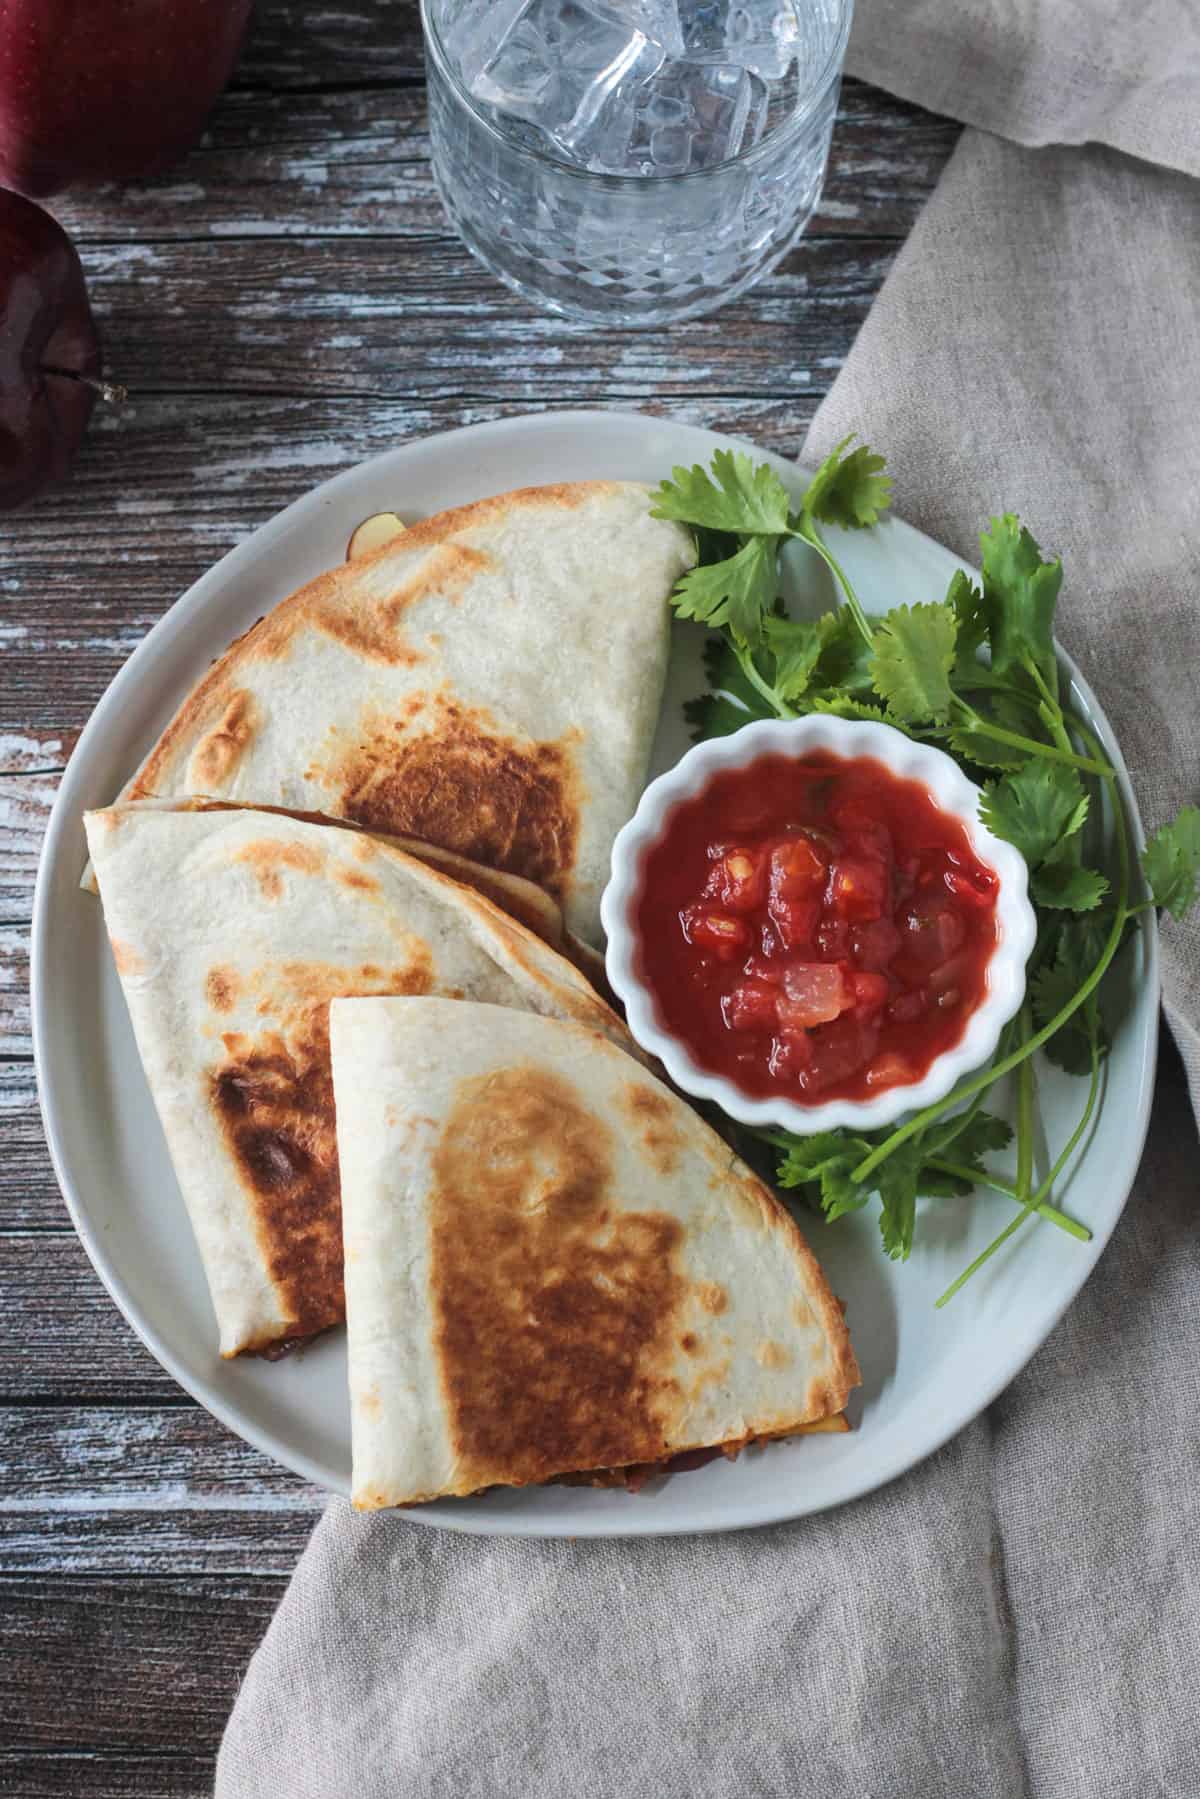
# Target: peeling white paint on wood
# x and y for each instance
(22, 753)
(172, 1496)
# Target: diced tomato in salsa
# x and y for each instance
(750, 1006)
(816, 927)
(859, 889)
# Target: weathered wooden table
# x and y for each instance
(284, 303)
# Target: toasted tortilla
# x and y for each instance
(232, 929)
(489, 682)
(552, 1264)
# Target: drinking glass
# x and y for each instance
(609, 206)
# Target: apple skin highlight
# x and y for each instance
(108, 90)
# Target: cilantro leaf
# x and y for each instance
(716, 715)
(1020, 592)
(737, 593)
(845, 660)
(937, 1184)
(964, 1144)
(971, 616)
(1035, 807)
(1078, 947)
(745, 498)
(796, 645)
(899, 1180)
(734, 701)
(848, 490)
(723, 669)
(984, 1132)
(837, 706)
(1171, 862)
(830, 1159)
(914, 653)
(1064, 885)
(807, 1156)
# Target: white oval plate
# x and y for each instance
(926, 1373)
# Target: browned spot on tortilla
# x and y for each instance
(803, 1314)
(359, 883)
(371, 623)
(275, 1106)
(653, 1117)
(689, 1342)
(267, 856)
(712, 1296)
(126, 957)
(771, 1355)
(221, 989)
(273, 1100)
(456, 780)
(556, 1311)
(371, 1402)
(218, 754)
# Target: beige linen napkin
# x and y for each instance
(1045, 71)
(1019, 1618)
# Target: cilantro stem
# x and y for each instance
(1036, 1202)
(746, 664)
(1050, 698)
(1024, 1109)
(1030, 745)
(988, 1076)
(985, 1178)
(985, 1255)
(808, 533)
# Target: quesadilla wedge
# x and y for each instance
(519, 898)
(489, 681)
(553, 1266)
(232, 929)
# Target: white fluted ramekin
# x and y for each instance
(949, 788)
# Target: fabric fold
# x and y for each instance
(1042, 72)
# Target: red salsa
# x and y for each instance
(815, 927)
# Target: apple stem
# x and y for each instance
(111, 392)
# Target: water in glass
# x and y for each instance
(559, 127)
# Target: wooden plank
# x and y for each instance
(357, 163)
(350, 45)
(125, 1665)
(61, 1337)
(67, 1774)
(29, 1195)
(190, 1538)
(144, 1490)
(369, 316)
(31, 765)
(25, 801)
(16, 1032)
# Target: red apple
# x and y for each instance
(49, 351)
(108, 90)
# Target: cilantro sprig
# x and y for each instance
(975, 672)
